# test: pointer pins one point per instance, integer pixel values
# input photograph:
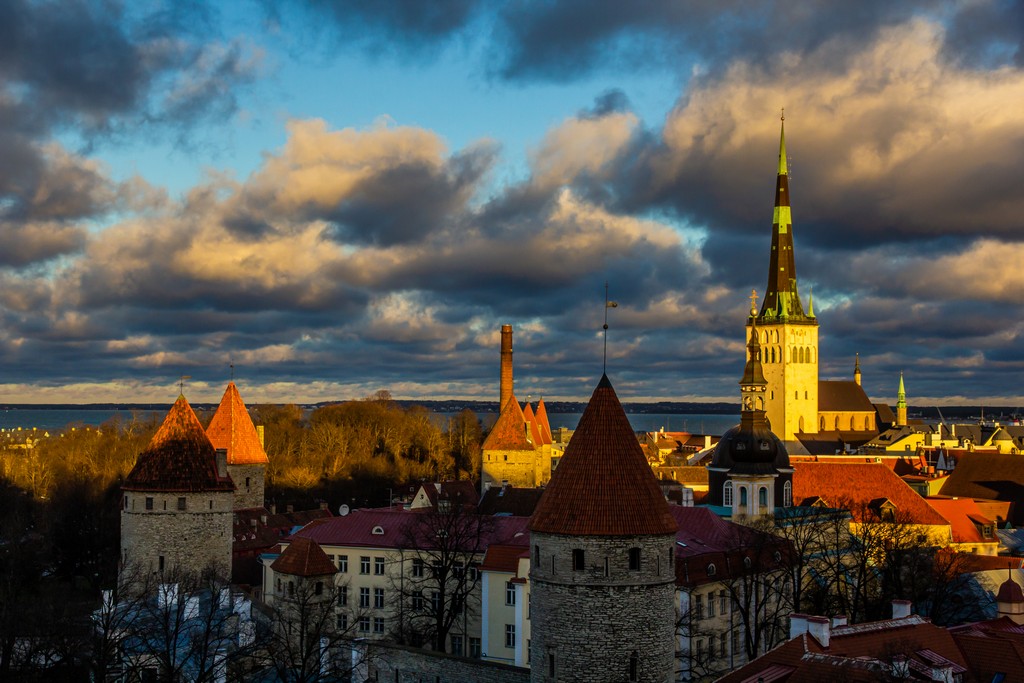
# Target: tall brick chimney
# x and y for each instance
(505, 392)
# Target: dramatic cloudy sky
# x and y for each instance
(343, 196)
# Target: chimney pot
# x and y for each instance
(818, 628)
(797, 624)
(839, 620)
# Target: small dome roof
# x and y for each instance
(1010, 591)
(750, 448)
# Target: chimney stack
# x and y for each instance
(797, 624)
(818, 628)
(900, 609)
(505, 391)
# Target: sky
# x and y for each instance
(329, 198)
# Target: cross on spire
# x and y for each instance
(753, 302)
(181, 383)
(607, 304)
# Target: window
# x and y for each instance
(723, 603)
(364, 624)
(435, 601)
(700, 650)
(364, 565)
(343, 564)
(536, 554)
(743, 497)
(364, 597)
(247, 482)
(417, 569)
(711, 569)
(721, 646)
(125, 503)
(787, 494)
(762, 497)
(160, 561)
(417, 601)
(711, 647)
(318, 589)
(378, 565)
(711, 604)
(510, 593)
(551, 664)
(510, 635)
(291, 589)
(181, 503)
(149, 502)
(634, 666)
(577, 560)
(474, 647)
(735, 642)
(342, 596)
(378, 598)
(378, 624)
(634, 559)
(727, 494)
(698, 606)
(457, 645)
(342, 622)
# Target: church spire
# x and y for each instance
(781, 295)
(856, 370)
(901, 404)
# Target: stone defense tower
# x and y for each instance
(232, 430)
(750, 471)
(603, 559)
(789, 336)
(901, 404)
(505, 387)
(176, 510)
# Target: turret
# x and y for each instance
(856, 369)
(901, 405)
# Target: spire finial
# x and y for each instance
(232, 366)
(810, 304)
(783, 168)
(181, 384)
(783, 117)
(753, 303)
(607, 304)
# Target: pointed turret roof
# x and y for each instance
(603, 485)
(901, 395)
(781, 297)
(543, 423)
(509, 431)
(535, 434)
(180, 457)
(753, 372)
(304, 557)
(232, 429)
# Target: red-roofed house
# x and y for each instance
(973, 531)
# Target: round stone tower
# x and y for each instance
(176, 508)
(602, 568)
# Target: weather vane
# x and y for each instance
(181, 383)
(607, 304)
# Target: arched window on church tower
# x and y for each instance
(762, 498)
(821, 425)
(743, 499)
(727, 494)
(787, 494)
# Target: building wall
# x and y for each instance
(248, 485)
(191, 540)
(522, 469)
(593, 623)
(792, 401)
(388, 662)
(497, 614)
(847, 421)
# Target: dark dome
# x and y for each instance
(750, 448)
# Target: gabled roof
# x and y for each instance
(303, 557)
(835, 396)
(461, 492)
(603, 485)
(509, 430)
(231, 428)
(536, 434)
(963, 516)
(509, 500)
(505, 558)
(832, 482)
(543, 423)
(993, 476)
(180, 457)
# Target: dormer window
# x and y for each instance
(378, 531)
(712, 569)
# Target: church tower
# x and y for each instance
(788, 334)
(901, 405)
(602, 574)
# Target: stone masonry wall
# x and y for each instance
(593, 622)
(190, 541)
(385, 662)
(250, 496)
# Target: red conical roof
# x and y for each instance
(603, 485)
(542, 422)
(304, 557)
(232, 429)
(180, 457)
(509, 431)
(536, 435)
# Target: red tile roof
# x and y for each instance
(536, 434)
(505, 558)
(509, 431)
(303, 557)
(842, 396)
(859, 484)
(961, 514)
(461, 492)
(603, 485)
(231, 428)
(180, 457)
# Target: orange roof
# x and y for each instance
(536, 434)
(231, 428)
(959, 512)
(509, 431)
(180, 457)
(859, 485)
(543, 423)
(603, 485)
(303, 557)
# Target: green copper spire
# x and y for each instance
(901, 395)
(781, 295)
(810, 304)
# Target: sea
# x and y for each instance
(56, 419)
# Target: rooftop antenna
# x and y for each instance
(181, 383)
(607, 304)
